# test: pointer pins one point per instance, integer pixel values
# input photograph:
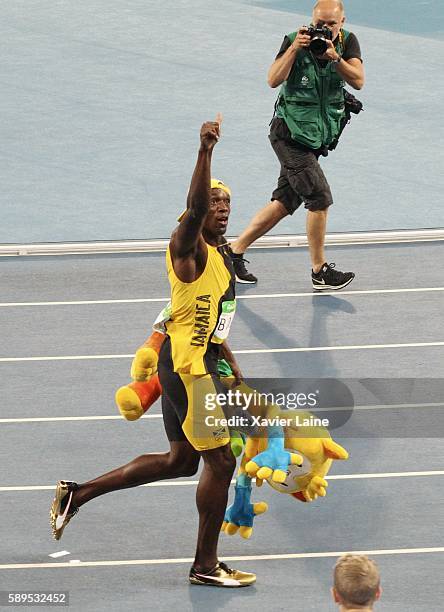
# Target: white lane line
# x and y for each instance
(285, 556)
(305, 349)
(376, 407)
(83, 302)
(191, 483)
(159, 416)
(64, 358)
(386, 475)
(256, 296)
(356, 347)
(116, 417)
(336, 293)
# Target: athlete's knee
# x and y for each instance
(187, 467)
(183, 461)
(220, 461)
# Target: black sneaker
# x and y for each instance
(242, 274)
(328, 279)
(222, 576)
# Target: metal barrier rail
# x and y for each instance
(147, 246)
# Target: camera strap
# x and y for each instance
(342, 41)
(276, 104)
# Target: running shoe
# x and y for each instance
(62, 508)
(222, 576)
(329, 279)
(242, 274)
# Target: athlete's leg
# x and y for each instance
(211, 499)
(181, 460)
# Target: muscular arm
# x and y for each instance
(230, 358)
(187, 245)
(186, 237)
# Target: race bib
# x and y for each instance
(163, 317)
(224, 322)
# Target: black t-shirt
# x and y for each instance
(351, 47)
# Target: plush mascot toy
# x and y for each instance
(263, 458)
(293, 460)
(133, 400)
(290, 453)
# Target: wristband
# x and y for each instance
(337, 61)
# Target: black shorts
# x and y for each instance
(301, 178)
(186, 413)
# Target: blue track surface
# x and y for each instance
(102, 103)
(423, 19)
(140, 541)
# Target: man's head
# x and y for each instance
(356, 583)
(220, 206)
(329, 13)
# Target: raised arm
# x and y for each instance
(186, 237)
(185, 240)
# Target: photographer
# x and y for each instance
(313, 65)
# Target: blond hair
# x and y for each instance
(356, 580)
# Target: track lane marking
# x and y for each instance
(117, 417)
(257, 351)
(257, 296)
(285, 556)
(357, 347)
(190, 483)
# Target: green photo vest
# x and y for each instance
(311, 100)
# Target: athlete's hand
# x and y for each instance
(210, 133)
(302, 39)
(144, 364)
(237, 375)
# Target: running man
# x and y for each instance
(201, 276)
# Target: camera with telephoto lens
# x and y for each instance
(319, 36)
